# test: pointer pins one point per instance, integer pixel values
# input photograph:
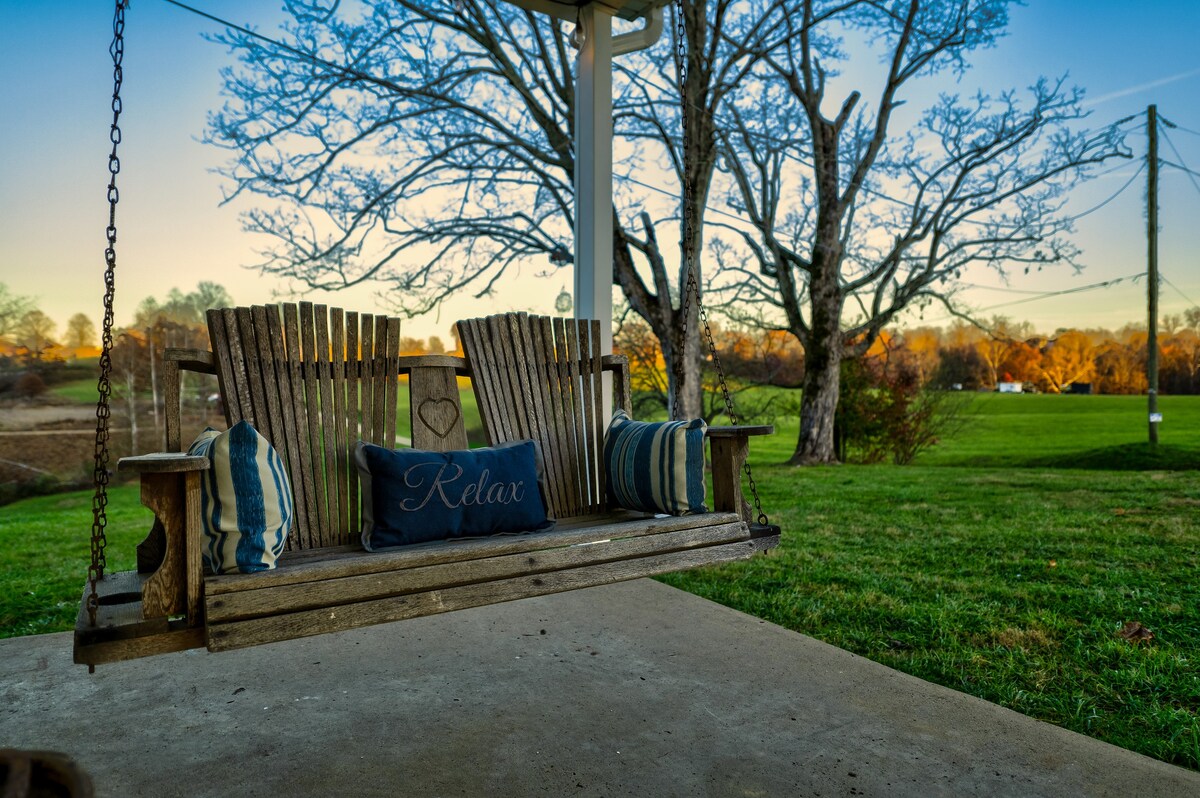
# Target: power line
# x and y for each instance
(1174, 126)
(1179, 291)
(1045, 295)
(1118, 193)
(1065, 291)
(1182, 166)
(673, 195)
(344, 70)
(1002, 288)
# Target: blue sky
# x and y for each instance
(173, 232)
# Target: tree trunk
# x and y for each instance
(690, 392)
(822, 377)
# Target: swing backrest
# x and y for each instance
(314, 380)
(543, 378)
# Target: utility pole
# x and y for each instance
(1152, 272)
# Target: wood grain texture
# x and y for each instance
(256, 631)
(162, 462)
(314, 380)
(728, 457)
(291, 452)
(435, 409)
(543, 378)
(391, 381)
(318, 532)
(351, 419)
(340, 469)
(246, 604)
(164, 592)
(365, 384)
(171, 407)
(320, 565)
(334, 531)
(122, 631)
(303, 489)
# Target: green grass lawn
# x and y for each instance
(1070, 431)
(81, 391)
(1002, 564)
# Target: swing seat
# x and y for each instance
(314, 380)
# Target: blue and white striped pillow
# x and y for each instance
(245, 500)
(655, 467)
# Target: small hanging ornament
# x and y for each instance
(564, 302)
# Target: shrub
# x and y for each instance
(29, 385)
(885, 412)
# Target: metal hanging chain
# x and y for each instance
(104, 384)
(691, 284)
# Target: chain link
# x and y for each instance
(691, 284)
(100, 472)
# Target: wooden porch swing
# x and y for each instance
(313, 380)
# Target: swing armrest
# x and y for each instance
(729, 448)
(744, 430)
(169, 560)
(163, 463)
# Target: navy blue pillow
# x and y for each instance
(413, 496)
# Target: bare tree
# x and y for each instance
(853, 222)
(81, 331)
(35, 332)
(430, 148)
(12, 308)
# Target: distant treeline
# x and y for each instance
(964, 355)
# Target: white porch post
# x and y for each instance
(593, 173)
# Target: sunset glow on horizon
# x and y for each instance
(174, 231)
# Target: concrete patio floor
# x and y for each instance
(633, 689)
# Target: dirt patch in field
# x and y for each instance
(19, 416)
(56, 440)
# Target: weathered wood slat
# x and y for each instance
(550, 410)
(122, 631)
(571, 390)
(319, 565)
(366, 385)
(435, 410)
(318, 533)
(271, 425)
(334, 531)
(217, 338)
(391, 381)
(339, 471)
(506, 397)
(171, 399)
(379, 385)
(256, 408)
(239, 634)
(351, 420)
(314, 380)
(303, 489)
(329, 592)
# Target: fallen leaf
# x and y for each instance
(1135, 633)
(1054, 563)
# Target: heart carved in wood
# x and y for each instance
(439, 415)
